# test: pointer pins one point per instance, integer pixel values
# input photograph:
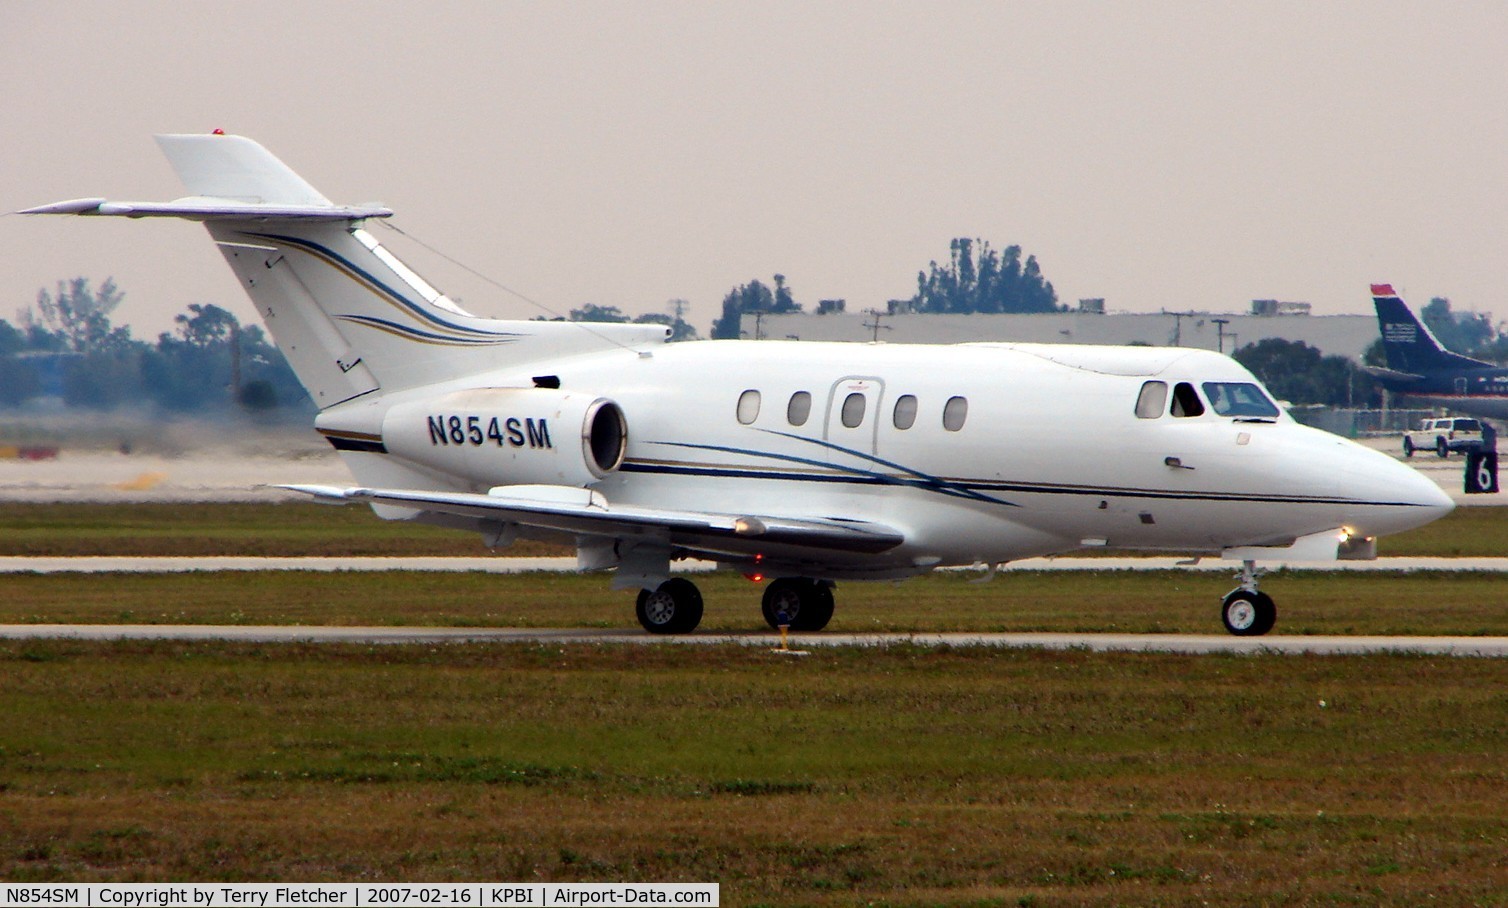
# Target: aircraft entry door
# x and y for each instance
(853, 413)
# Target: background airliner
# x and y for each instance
(1424, 372)
(809, 463)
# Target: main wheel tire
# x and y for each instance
(1248, 613)
(1408, 446)
(1442, 450)
(819, 609)
(798, 603)
(675, 607)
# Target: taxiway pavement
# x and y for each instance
(501, 565)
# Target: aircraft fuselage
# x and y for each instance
(1042, 451)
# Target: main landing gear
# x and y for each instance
(1247, 611)
(798, 603)
(675, 606)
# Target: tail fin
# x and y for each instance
(349, 316)
(1409, 344)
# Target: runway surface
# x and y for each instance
(503, 565)
(1494, 647)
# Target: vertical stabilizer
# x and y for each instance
(1411, 347)
(237, 169)
(350, 317)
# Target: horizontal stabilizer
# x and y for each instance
(584, 512)
(1392, 374)
(211, 209)
(228, 178)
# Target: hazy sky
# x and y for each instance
(1179, 155)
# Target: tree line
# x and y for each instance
(976, 278)
(65, 346)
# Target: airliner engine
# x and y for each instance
(508, 436)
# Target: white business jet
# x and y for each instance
(808, 463)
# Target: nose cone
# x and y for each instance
(1392, 497)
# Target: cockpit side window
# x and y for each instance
(1186, 401)
(1240, 399)
(1149, 403)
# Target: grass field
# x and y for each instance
(228, 528)
(890, 776)
(292, 529)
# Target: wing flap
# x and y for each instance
(585, 512)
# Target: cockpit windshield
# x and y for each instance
(1239, 399)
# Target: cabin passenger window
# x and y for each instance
(1239, 398)
(1186, 401)
(955, 411)
(1149, 404)
(800, 407)
(853, 410)
(905, 411)
(748, 407)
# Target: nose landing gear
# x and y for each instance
(1247, 611)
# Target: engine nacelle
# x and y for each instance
(510, 436)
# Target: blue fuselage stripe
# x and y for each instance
(978, 487)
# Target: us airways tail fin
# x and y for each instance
(1410, 346)
(349, 316)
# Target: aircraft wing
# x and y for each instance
(585, 512)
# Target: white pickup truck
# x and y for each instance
(1443, 435)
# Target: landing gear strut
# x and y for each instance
(798, 603)
(1246, 611)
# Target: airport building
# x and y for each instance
(1343, 335)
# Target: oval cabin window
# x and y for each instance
(955, 411)
(853, 410)
(800, 407)
(905, 411)
(748, 407)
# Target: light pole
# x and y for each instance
(1220, 324)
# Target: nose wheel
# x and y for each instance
(1247, 611)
